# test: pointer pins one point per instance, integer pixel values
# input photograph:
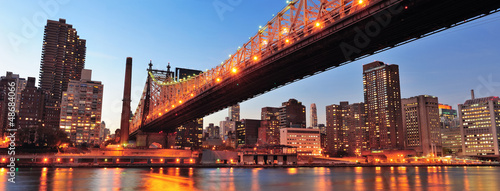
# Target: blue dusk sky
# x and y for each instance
(194, 34)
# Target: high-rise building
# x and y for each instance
(213, 131)
(271, 125)
(81, 108)
(234, 112)
(247, 131)
(314, 116)
(480, 126)
(63, 58)
(447, 116)
(422, 125)
(31, 110)
(7, 96)
(307, 141)
(292, 114)
(227, 126)
(190, 134)
(346, 129)
(383, 104)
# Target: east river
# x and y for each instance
(287, 179)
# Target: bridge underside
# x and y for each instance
(385, 24)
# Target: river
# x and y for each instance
(286, 179)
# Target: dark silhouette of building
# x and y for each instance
(383, 99)
(31, 109)
(213, 131)
(247, 131)
(292, 114)
(63, 58)
(190, 134)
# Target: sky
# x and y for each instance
(195, 34)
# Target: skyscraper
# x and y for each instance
(271, 125)
(31, 109)
(480, 126)
(190, 134)
(346, 129)
(234, 113)
(383, 99)
(421, 124)
(314, 116)
(247, 131)
(81, 109)
(63, 58)
(292, 114)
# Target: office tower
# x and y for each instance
(314, 116)
(227, 126)
(31, 110)
(63, 58)
(307, 141)
(292, 114)
(247, 131)
(383, 101)
(213, 131)
(451, 141)
(480, 126)
(234, 112)
(190, 134)
(422, 125)
(81, 108)
(447, 116)
(346, 129)
(271, 125)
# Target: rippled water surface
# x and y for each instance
(319, 178)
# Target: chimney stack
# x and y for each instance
(124, 126)
(472, 94)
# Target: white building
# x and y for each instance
(307, 141)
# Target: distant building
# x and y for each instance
(104, 132)
(271, 125)
(480, 126)
(227, 126)
(234, 112)
(292, 114)
(422, 125)
(63, 58)
(346, 129)
(5, 98)
(307, 141)
(383, 99)
(190, 134)
(447, 116)
(322, 128)
(213, 131)
(81, 108)
(451, 141)
(314, 116)
(247, 132)
(31, 110)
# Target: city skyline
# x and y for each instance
(446, 73)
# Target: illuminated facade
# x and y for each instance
(346, 129)
(81, 109)
(190, 134)
(234, 112)
(271, 126)
(247, 132)
(422, 125)
(448, 116)
(480, 126)
(451, 140)
(314, 116)
(383, 99)
(63, 58)
(307, 141)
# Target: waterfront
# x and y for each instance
(317, 178)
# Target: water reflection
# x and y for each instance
(319, 178)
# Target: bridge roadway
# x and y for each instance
(382, 25)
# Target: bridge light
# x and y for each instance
(180, 101)
(166, 110)
(177, 160)
(218, 79)
(360, 2)
(192, 95)
(255, 58)
(45, 160)
(173, 106)
(58, 160)
(318, 24)
(287, 41)
(71, 160)
(159, 114)
(234, 70)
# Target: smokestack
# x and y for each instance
(472, 94)
(124, 126)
